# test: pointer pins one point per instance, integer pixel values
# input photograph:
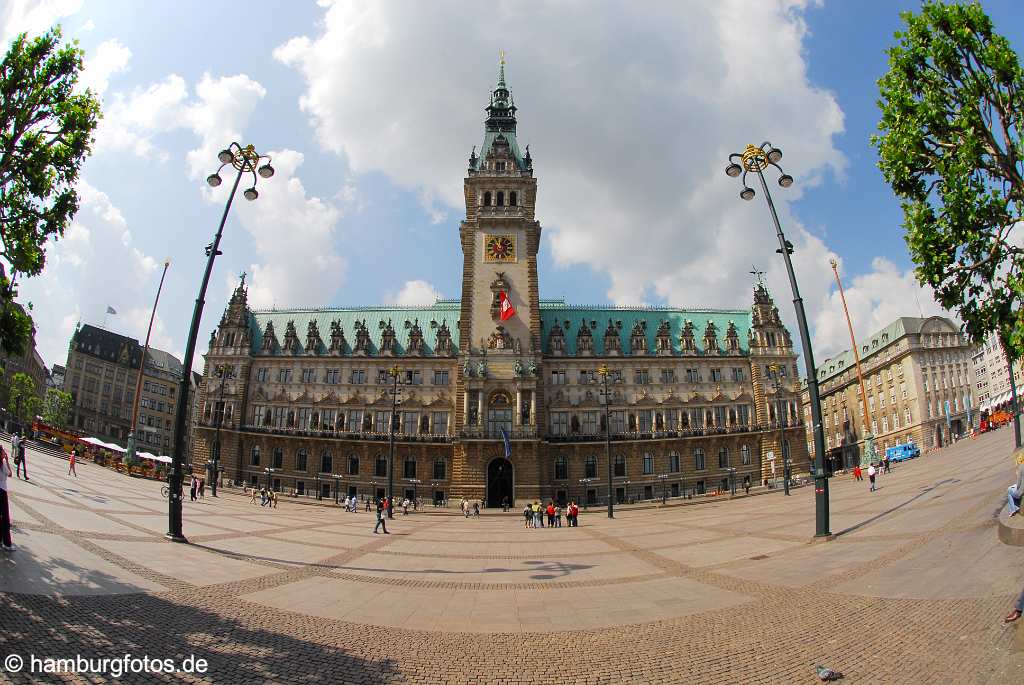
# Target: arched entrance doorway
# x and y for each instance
(499, 482)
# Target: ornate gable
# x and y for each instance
(556, 341)
(338, 342)
(362, 339)
(638, 338)
(313, 341)
(584, 339)
(269, 338)
(663, 340)
(291, 339)
(387, 338)
(612, 342)
(415, 347)
(711, 338)
(732, 339)
(443, 347)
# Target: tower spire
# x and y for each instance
(501, 71)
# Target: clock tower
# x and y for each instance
(499, 355)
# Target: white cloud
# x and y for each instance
(32, 16)
(414, 293)
(293, 234)
(110, 57)
(875, 300)
(629, 146)
(78, 283)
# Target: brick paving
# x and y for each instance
(911, 589)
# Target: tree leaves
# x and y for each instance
(45, 133)
(950, 146)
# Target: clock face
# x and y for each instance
(500, 248)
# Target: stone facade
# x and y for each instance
(992, 376)
(309, 393)
(102, 373)
(913, 368)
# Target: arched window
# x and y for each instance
(620, 466)
(501, 199)
(745, 455)
(590, 466)
(278, 460)
(254, 455)
(723, 457)
(561, 468)
(381, 467)
(410, 467)
(487, 199)
(353, 465)
(512, 199)
(326, 462)
(440, 470)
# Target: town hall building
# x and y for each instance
(498, 403)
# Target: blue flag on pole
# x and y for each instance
(508, 445)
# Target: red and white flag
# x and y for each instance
(507, 310)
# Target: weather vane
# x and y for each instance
(758, 274)
(501, 59)
(243, 278)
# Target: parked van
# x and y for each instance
(902, 452)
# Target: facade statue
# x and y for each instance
(481, 368)
(517, 368)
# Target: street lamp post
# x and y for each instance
(224, 372)
(142, 368)
(585, 482)
(269, 471)
(776, 385)
(756, 160)
(394, 372)
(415, 482)
(316, 477)
(245, 160)
(664, 496)
(337, 479)
(604, 372)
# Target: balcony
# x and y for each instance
(494, 212)
(671, 434)
(480, 433)
(371, 436)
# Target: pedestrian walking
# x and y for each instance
(871, 476)
(885, 463)
(527, 515)
(18, 450)
(367, 504)
(857, 474)
(71, 462)
(252, 500)
(574, 513)
(381, 517)
(202, 488)
(405, 507)
(558, 516)
(1018, 608)
(264, 497)
(504, 503)
(194, 489)
(550, 511)
(476, 509)
(273, 498)
(538, 522)
(1016, 491)
(5, 511)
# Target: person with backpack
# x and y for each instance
(528, 515)
(18, 450)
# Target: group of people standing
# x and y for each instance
(534, 515)
(198, 490)
(268, 498)
(884, 465)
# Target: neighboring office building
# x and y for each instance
(31, 363)
(913, 369)
(102, 372)
(57, 374)
(992, 376)
(309, 396)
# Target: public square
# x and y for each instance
(911, 589)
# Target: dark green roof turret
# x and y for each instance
(500, 122)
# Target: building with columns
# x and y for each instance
(918, 376)
(307, 392)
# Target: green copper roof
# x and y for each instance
(402, 319)
(875, 343)
(597, 318)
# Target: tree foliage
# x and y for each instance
(57, 408)
(46, 131)
(23, 401)
(950, 146)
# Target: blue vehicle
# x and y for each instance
(902, 452)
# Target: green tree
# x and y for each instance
(57, 408)
(950, 146)
(23, 402)
(46, 131)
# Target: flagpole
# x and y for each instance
(142, 365)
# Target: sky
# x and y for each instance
(369, 111)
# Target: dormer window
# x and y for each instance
(499, 166)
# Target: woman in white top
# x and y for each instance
(1016, 491)
(5, 512)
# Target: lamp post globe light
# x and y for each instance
(604, 372)
(755, 160)
(246, 161)
(223, 372)
(394, 372)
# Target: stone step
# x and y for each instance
(1011, 529)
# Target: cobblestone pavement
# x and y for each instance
(911, 589)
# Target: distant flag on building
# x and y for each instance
(507, 310)
(111, 310)
(508, 445)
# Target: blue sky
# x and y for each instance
(371, 109)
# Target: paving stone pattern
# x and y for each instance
(910, 590)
